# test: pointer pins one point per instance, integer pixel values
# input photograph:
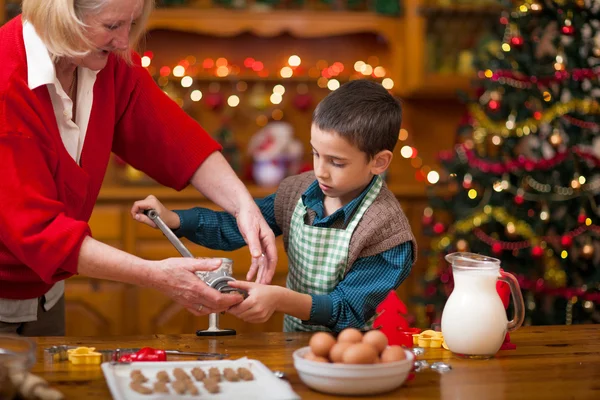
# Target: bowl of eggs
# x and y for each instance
(352, 364)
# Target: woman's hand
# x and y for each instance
(169, 217)
(176, 278)
(261, 241)
(260, 304)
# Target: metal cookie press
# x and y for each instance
(217, 279)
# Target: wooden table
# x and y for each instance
(558, 362)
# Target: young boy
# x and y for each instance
(347, 239)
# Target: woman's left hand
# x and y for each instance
(261, 242)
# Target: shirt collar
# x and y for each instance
(313, 199)
(40, 68)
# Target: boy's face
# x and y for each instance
(342, 170)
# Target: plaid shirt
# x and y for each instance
(352, 303)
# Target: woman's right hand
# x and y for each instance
(176, 278)
(169, 217)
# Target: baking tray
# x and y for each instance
(264, 386)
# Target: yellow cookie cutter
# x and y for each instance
(429, 338)
(84, 355)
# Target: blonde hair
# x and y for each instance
(59, 23)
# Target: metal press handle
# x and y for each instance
(153, 215)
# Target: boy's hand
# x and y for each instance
(260, 304)
(151, 202)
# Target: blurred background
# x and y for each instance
(499, 151)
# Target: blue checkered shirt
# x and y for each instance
(352, 303)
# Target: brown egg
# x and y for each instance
(376, 339)
(337, 351)
(320, 343)
(350, 335)
(393, 353)
(309, 356)
(321, 359)
(360, 353)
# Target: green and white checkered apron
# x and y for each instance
(318, 257)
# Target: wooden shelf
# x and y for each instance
(298, 23)
(444, 85)
(458, 10)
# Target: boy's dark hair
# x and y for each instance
(364, 113)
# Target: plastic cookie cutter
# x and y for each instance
(217, 279)
(429, 338)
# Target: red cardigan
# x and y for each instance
(46, 199)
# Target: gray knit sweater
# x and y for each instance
(382, 227)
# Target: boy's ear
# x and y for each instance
(381, 162)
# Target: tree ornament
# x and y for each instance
(511, 230)
(566, 241)
(537, 251)
(581, 217)
(517, 41)
(462, 245)
(568, 30)
(519, 198)
(556, 139)
(587, 251)
(439, 228)
(497, 248)
(427, 220)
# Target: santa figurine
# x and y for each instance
(276, 154)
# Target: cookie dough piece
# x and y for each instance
(163, 376)
(245, 374)
(211, 385)
(199, 374)
(180, 375)
(230, 375)
(160, 387)
(191, 388)
(214, 373)
(180, 386)
(137, 376)
(138, 387)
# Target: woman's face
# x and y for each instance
(108, 30)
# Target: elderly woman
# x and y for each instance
(71, 91)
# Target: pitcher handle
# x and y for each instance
(517, 298)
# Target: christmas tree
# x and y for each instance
(522, 184)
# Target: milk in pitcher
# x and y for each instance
(474, 320)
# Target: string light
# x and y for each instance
(294, 61)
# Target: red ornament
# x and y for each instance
(566, 241)
(214, 101)
(497, 248)
(391, 322)
(519, 199)
(303, 101)
(568, 30)
(494, 105)
(439, 228)
(517, 41)
(537, 251)
(581, 218)
(427, 220)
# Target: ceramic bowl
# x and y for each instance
(352, 379)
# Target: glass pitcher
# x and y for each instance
(474, 321)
